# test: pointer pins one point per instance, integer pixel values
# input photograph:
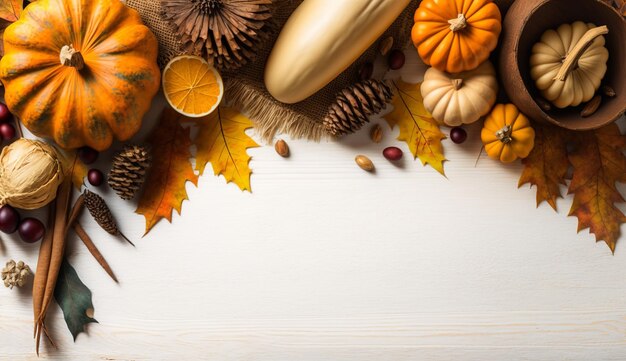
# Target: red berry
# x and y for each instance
(9, 219)
(5, 114)
(366, 71)
(458, 135)
(7, 131)
(31, 230)
(392, 153)
(95, 177)
(87, 155)
(396, 59)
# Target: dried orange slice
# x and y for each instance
(192, 86)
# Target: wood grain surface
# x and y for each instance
(326, 262)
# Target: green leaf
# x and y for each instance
(74, 298)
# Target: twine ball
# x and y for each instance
(30, 173)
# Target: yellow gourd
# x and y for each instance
(568, 63)
(507, 134)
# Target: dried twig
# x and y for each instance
(82, 234)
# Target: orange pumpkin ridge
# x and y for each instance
(456, 35)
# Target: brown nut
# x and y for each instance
(608, 91)
(364, 162)
(282, 148)
(385, 46)
(376, 134)
(591, 107)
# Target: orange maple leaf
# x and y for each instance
(546, 166)
(417, 127)
(164, 189)
(222, 141)
(10, 10)
(599, 163)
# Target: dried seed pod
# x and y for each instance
(591, 107)
(227, 33)
(282, 148)
(364, 162)
(101, 213)
(376, 134)
(15, 274)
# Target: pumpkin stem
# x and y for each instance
(71, 57)
(457, 83)
(458, 23)
(504, 134)
(571, 60)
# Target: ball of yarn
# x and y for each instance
(30, 173)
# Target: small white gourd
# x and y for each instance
(462, 98)
(568, 63)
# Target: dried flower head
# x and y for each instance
(30, 173)
(15, 274)
(225, 32)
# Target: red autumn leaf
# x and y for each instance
(164, 189)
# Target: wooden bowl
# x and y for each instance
(523, 26)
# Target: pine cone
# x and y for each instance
(128, 171)
(354, 105)
(15, 274)
(225, 32)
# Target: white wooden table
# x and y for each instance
(326, 262)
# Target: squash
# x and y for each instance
(321, 39)
(462, 98)
(80, 71)
(569, 63)
(507, 134)
(456, 35)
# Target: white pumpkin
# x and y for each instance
(321, 39)
(462, 98)
(568, 63)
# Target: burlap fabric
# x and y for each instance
(245, 89)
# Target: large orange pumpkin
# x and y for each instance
(80, 71)
(456, 35)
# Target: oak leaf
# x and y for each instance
(547, 165)
(599, 163)
(222, 141)
(74, 298)
(164, 189)
(417, 127)
(10, 10)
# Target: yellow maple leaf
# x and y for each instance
(599, 163)
(222, 141)
(546, 166)
(417, 127)
(164, 188)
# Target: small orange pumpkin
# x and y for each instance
(507, 134)
(80, 71)
(456, 35)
